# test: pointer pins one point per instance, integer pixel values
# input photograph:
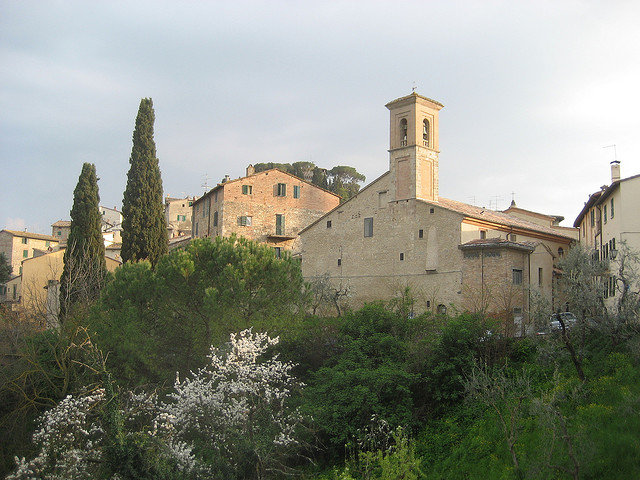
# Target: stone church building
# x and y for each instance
(397, 232)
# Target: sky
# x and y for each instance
(534, 94)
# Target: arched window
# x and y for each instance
(403, 132)
(561, 252)
(425, 132)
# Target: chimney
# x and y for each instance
(615, 171)
(226, 179)
(251, 170)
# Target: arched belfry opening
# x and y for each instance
(413, 149)
(403, 132)
(425, 132)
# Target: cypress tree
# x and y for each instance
(84, 263)
(144, 228)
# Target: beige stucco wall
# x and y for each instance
(372, 266)
(38, 272)
(13, 247)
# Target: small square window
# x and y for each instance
(244, 220)
(328, 223)
(247, 189)
(59, 233)
(420, 233)
(25, 240)
(432, 210)
(296, 191)
(517, 276)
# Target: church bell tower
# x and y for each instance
(413, 148)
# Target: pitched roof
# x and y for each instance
(498, 243)
(484, 214)
(599, 197)
(223, 184)
(62, 223)
(35, 236)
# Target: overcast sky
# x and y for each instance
(532, 92)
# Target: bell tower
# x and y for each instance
(413, 148)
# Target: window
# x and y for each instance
(279, 224)
(25, 240)
(278, 252)
(611, 208)
(281, 190)
(483, 234)
(296, 191)
(540, 276)
(196, 229)
(215, 219)
(442, 309)
(403, 132)
(247, 190)
(244, 220)
(339, 262)
(593, 218)
(328, 223)
(604, 213)
(25, 254)
(517, 276)
(432, 210)
(401, 257)
(59, 233)
(368, 227)
(425, 132)
(512, 237)
(420, 233)
(182, 218)
(190, 203)
(560, 252)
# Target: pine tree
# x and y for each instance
(144, 228)
(84, 263)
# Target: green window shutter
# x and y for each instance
(296, 191)
(279, 224)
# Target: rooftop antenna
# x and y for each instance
(205, 184)
(413, 89)
(615, 152)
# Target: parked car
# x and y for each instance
(568, 318)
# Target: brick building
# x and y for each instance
(398, 232)
(270, 207)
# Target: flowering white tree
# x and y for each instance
(230, 419)
(68, 438)
(234, 410)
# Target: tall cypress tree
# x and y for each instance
(144, 228)
(84, 263)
